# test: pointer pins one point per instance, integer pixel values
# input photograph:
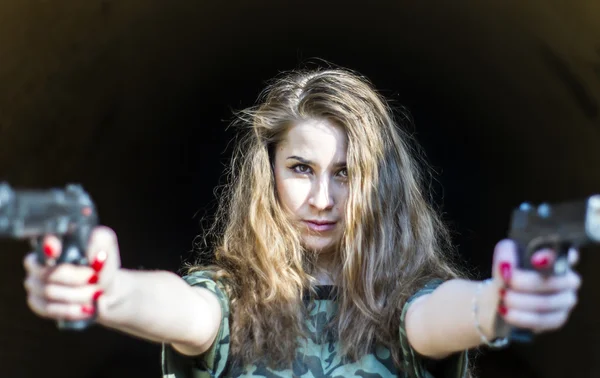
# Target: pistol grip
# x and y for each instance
(75, 325)
(521, 335)
(73, 252)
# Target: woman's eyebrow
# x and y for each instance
(308, 162)
(300, 159)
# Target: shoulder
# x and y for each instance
(213, 359)
(416, 365)
(427, 288)
(211, 282)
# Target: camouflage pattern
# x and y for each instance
(415, 366)
(316, 357)
(213, 362)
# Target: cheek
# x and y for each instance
(292, 193)
(342, 196)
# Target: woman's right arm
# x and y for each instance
(160, 306)
(157, 306)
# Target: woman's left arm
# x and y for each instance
(443, 322)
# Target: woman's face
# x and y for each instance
(311, 181)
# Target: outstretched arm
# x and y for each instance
(157, 306)
(160, 306)
(443, 322)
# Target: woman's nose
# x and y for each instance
(321, 197)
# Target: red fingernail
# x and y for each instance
(93, 279)
(505, 270)
(502, 293)
(98, 262)
(540, 261)
(97, 295)
(48, 250)
(88, 310)
(502, 310)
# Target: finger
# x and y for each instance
(32, 266)
(533, 282)
(52, 248)
(63, 294)
(37, 305)
(71, 275)
(65, 311)
(33, 285)
(61, 311)
(562, 301)
(543, 258)
(573, 257)
(537, 322)
(505, 260)
(103, 253)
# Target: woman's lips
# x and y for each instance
(319, 226)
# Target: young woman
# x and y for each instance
(329, 260)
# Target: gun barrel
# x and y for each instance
(6, 208)
(30, 213)
(592, 218)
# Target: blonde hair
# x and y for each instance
(394, 242)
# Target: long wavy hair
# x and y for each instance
(393, 243)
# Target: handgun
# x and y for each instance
(559, 226)
(68, 213)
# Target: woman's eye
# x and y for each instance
(301, 168)
(343, 172)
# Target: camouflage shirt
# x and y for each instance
(316, 357)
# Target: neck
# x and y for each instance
(326, 268)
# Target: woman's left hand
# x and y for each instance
(528, 299)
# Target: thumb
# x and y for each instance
(505, 261)
(103, 253)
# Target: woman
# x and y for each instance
(329, 261)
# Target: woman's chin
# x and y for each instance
(319, 246)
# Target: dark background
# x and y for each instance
(131, 99)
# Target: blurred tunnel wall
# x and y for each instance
(132, 98)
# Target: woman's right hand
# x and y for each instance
(71, 292)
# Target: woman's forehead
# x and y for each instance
(315, 138)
